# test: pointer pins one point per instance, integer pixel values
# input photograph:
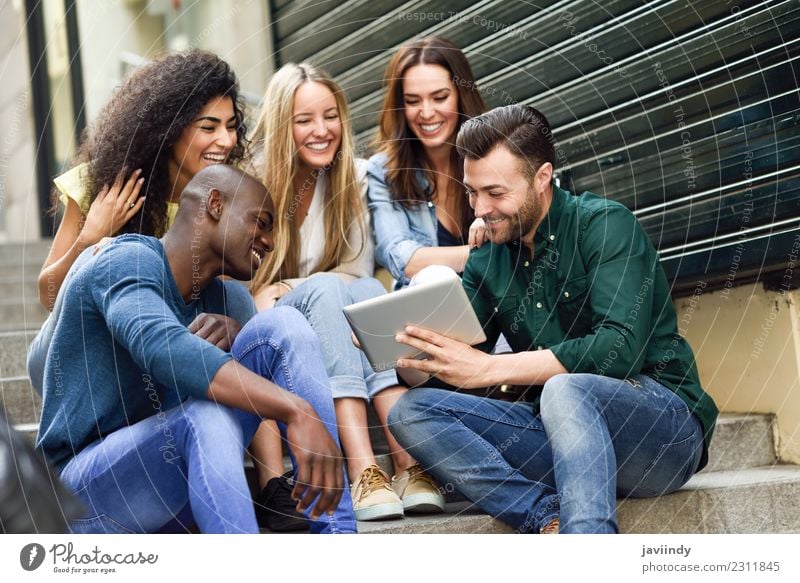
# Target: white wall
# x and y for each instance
(19, 209)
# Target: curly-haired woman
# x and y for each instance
(171, 118)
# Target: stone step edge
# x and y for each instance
(462, 517)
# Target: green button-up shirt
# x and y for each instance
(594, 293)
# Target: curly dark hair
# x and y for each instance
(144, 118)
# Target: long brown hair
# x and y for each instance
(396, 140)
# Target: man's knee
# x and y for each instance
(563, 394)
(412, 409)
(213, 423)
(204, 414)
(279, 326)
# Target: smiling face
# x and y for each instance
(430, 105)
(504, 197)
(316, 125)
(249, 219)
(208, 140)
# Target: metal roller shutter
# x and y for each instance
(687, 112)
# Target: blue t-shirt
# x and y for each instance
(121, 350)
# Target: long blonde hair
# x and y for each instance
(344, 208)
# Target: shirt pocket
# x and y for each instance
(419, 224)
(572, 304)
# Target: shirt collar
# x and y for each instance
(547, 230)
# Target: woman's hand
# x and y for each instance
(113, 207)
(477, 234)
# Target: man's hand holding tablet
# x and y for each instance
(438, 305)
(451, 361)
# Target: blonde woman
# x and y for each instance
(323, 260)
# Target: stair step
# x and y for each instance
(741, 441)
(25, 252)
(21, 268)
(19, 289)
(755, 500)
(21, 402)
(28, 431)
(22, 311)
(14, 352)
(458, 518)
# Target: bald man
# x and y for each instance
(147, 421)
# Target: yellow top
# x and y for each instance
(73, 184)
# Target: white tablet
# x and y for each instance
(441, 306)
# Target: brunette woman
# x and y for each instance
(416, 195)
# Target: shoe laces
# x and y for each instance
(416, 473)
(372, 478)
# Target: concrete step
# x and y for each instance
(30, 251)
(715, 501)
(13, 353)
(741, 441)
(19, 289)
(22, 268)
(20, 401)
(458, 518)
(28, 431)
(22, 311)
(755, 500)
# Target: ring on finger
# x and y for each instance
(133, 204)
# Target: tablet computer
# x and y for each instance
(441, 306)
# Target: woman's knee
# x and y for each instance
(365, 288)
(327, 288)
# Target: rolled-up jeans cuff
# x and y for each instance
(378, 381)
(547, 512)
(349, 386)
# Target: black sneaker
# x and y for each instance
(275, 509)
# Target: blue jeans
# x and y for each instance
(143, 476)
(595, 438)
(321, 299)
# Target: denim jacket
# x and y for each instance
(399, 230)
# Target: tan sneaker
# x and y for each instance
(373, 498)
(418, 491)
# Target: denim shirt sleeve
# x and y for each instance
(394, 242)
(128, 286)
(621, 272)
